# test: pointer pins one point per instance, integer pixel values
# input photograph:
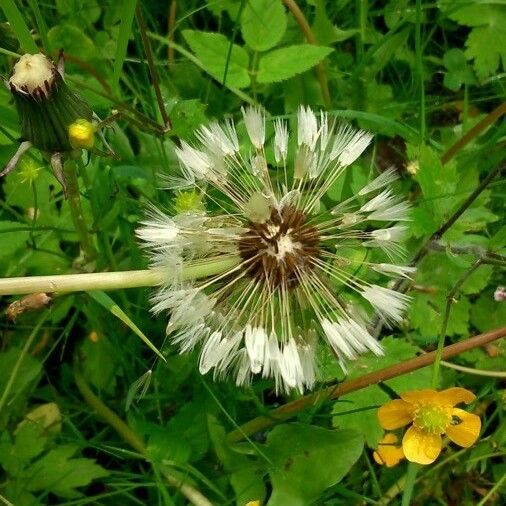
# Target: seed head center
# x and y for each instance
(279, 249)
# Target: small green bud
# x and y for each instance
(188, 201)
(46, 105)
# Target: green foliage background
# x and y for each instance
(419, 75)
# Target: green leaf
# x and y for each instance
(125, 31)
(325, 31)
(397, 349)
(11, 238)
(307, 460)
(212, 49)
(263, 23)
(365, 420)
(73, 40)
(100, 363)
(60, 474)
(29, 442)
(488, 314)
(486, 43)
(19, 27)
(105, 301)
(245, 475)
(459, 71)
(287, 62)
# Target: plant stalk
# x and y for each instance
(76, 210)
(111, 280)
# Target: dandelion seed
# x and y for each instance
(286, 291)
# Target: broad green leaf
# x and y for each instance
(287, 62)
(73, 40)
(212, 49)
(105, 301)
(263, 23)
(246, 476)
(306, 460)
(365, 403)
(61, 474)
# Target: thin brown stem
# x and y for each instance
(474, 132)
(321, 73)
(152, 68)
(170, 34)
(334, 391)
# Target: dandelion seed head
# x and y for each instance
(286, 289)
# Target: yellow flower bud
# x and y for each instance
(81, 134)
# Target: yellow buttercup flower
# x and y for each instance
(388, 453)
(432, 414)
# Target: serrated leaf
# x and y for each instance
(263, 23)
(487, 313)
(213, 49)
(287, 62)
(364, 419)
(486, 43)
(61, 474)
(307, 460)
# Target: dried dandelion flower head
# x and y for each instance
(292, 278)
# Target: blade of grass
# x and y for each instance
(41, 25)
(18, 24)
(105, 301)
(125, 29)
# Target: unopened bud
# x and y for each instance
(46, 105)
(81, 134)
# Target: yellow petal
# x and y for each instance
(387, 453)
(395, 414)
(421, 447)
(455, 395)
(467, 431)
(419, 396)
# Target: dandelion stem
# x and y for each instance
(290, 409)
(124, 430)
(111, 280)
(76, 210)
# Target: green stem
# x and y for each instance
(22, 355)
(113, 280)
(124, 430)
(419, 66)
(76, 210)
(493, 490)
(409, 483)
(446, 317)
